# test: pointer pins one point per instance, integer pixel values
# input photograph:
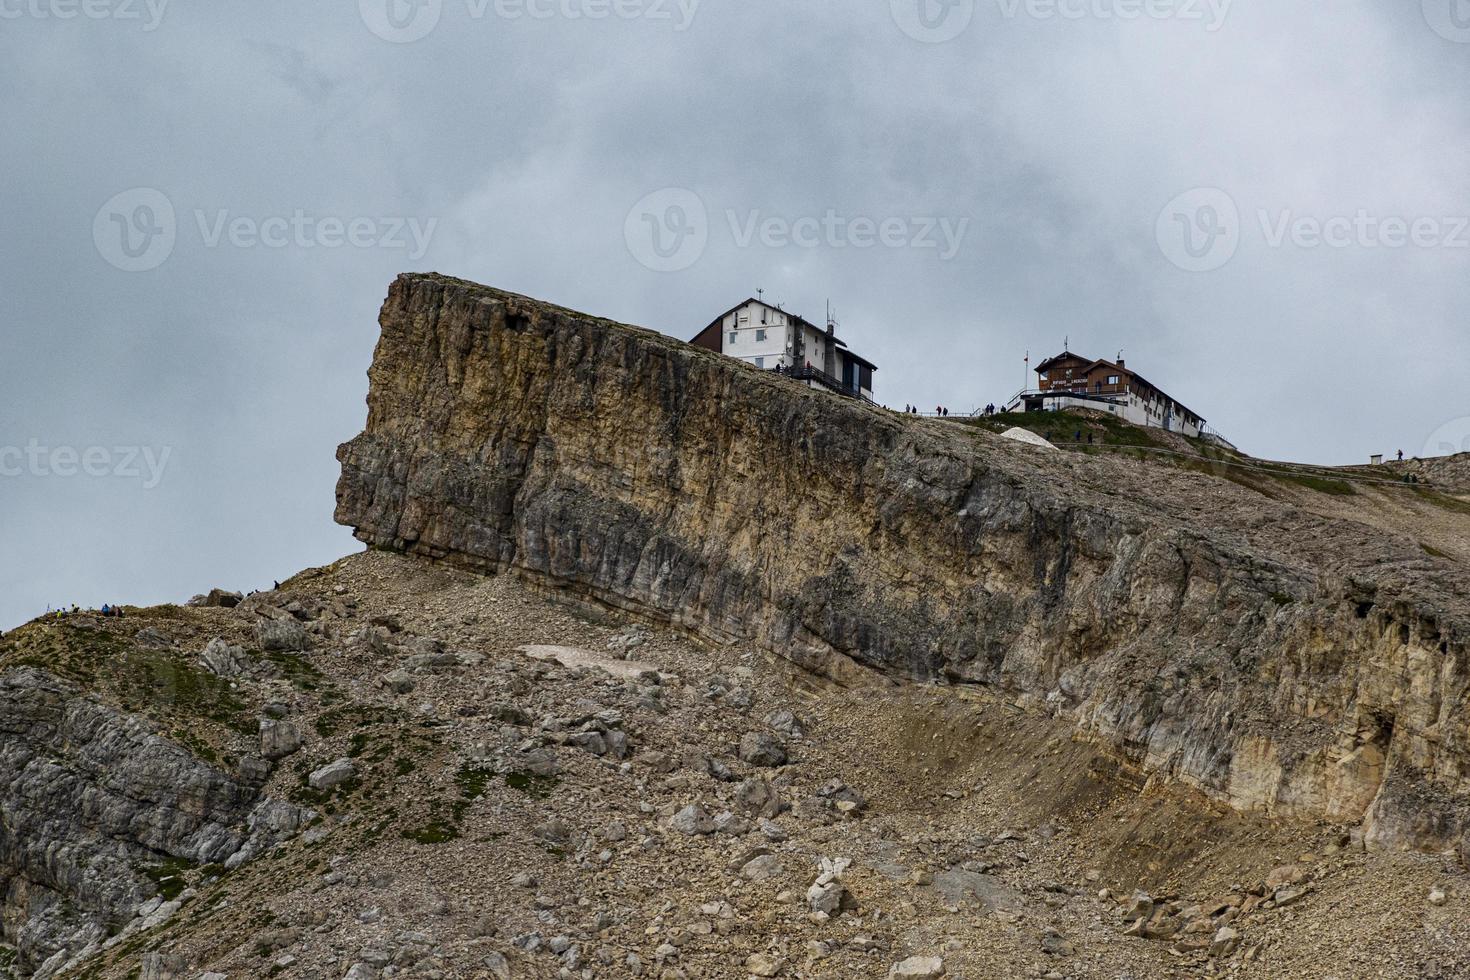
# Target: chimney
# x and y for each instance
(1122, 363)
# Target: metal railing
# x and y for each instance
(810, 373)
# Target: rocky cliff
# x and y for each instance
(103, 818)
(1202, 631)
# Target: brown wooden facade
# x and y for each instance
(1075, 374)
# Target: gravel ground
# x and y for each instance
(539, 789)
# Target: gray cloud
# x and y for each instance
(525, 141)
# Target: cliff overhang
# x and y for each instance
(1202, 632)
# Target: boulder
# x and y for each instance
(762, 965)
(762, 868)
(278, 739)
(693, 821)
(760, 749)
(786, 722)
(1226, 941)
(218, 599)
(224, 660)
(538, 761)
(398, 681)
(917, 968)
(286, 635)
(1140, 907)
(759, 797)
(332, 774)
(829, 896)
(843, 798)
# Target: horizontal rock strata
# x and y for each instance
(1205, 632)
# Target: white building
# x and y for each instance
(771, 339)
(1072, 381)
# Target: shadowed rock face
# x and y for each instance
(91, 799)
(1203, 631)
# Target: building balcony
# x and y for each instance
(824, 379)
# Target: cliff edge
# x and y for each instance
(1198, 630)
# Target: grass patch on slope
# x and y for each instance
(164, 685)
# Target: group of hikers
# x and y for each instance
(943, 413)
(61, 612)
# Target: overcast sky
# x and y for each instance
(1262, 203)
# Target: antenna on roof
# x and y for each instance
(760, 294)
(1120, 354)
(1066, 344)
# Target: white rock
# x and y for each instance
(918, 966)
(332, 774)
(762, 965)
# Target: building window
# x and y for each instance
(1112, 379)
(760, 335)
(733, 335)
(760, 362)
(1044, 376)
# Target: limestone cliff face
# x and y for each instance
(91, 800)
(1204, 632)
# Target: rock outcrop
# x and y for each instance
(1204, 632)
(94, 806)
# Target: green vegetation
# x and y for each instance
(8, 956)
(1072, 430)
(353, 715)
(164, 685)
(170, 876)
(1457, 505)
(1062, 428)
(473, 780)
(1337, 488)
(434, 832)
(325, 800)
(296, 669)
(539, 787)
